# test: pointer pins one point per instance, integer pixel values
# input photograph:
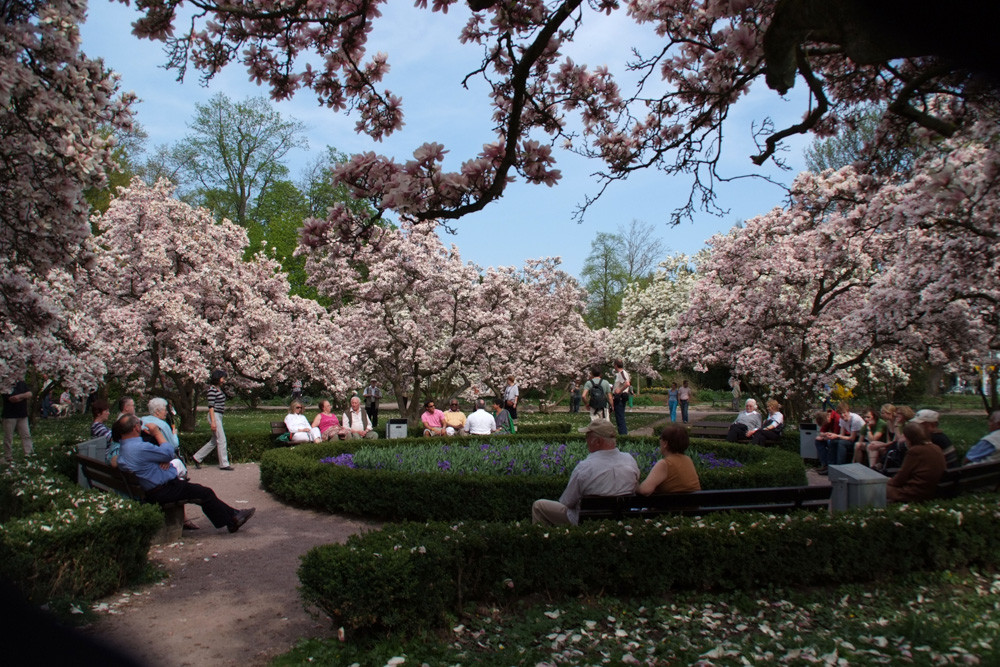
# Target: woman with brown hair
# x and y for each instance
(675, 472)
(922, 468)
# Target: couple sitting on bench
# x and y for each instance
(748, 425)
(607, 471)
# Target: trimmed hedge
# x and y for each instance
(411, 577)
(296, 475)
(59, 540)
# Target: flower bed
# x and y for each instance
(397, 491)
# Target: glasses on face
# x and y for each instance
(454, 405)
(298, 407)
(430, 407)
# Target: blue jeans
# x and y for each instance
(673, 410)
(620, 401)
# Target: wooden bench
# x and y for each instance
(781, 500)
(100, 475)
(709, 430)
(279, 429)
(969, 478)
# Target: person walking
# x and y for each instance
(620, 393)
(15, 417)
(672, 401)
(684, 398)
(216, 408)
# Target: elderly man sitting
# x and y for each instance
(987, 450)
(480, 422)
(748, 420)
(151, 464)
(605, 472)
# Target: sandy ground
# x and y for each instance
(230, 599)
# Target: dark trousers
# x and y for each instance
(218, 512)
(684, 411)
(372, 411)
(765, 438)
(574, 404)
(620, 400)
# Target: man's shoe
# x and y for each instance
(227, 468)
(240, 518)
(197, 463)
(822, 470)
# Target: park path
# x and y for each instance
(229, 599)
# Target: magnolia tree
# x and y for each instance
(434, 326)
(176, 300)
(667, 110)
(53, 102)
(649, 313)
(782, 301)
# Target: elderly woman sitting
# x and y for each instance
(746, 421)
(299, 428)
(675, 472)
(770, 432)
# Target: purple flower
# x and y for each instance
(345, 460)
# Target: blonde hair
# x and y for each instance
(773, 405)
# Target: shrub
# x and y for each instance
(410, 577)
(296, 475)
(58, 540)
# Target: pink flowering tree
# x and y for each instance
(783, 301)
(176, 300)
(642, 336)
(667, 111)
(434, 326)
(53, 104)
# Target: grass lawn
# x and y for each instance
(926, 619)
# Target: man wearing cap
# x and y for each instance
(605, 472)
(987, 450)
(929, 420)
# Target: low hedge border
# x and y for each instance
(296, 475)
(411, 577)
(58, 540)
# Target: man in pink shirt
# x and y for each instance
(433, 420)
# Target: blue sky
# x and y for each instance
(428, 64)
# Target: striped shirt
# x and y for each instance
(100, 430)
(216, 399)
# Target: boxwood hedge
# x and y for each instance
(296, 475)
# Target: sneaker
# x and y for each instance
(227, 468)
(240, 518)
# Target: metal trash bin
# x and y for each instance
(396, 428)
(856, 485)
(95, 448)
(807, 440)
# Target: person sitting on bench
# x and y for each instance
(746, 421)
(675, 472)
(151, 464)
(770, 432)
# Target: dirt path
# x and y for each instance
(229, 599)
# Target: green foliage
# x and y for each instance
(410, 577)
(297, 476)
(58, 540)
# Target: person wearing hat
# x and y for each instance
(929, 420)
(605, 472)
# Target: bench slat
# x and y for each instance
(775, 499)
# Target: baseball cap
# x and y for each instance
(602, 428)
(926, 416)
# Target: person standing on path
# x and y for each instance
(372, 395)
(620, 393)
(15, 416)
(734, 383)
(684, 397)
(672, 401)
(511, 395)
(216, 408)
(595, 394)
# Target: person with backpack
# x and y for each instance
(595, 394)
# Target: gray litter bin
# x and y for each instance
(807, 440)
(856, 485)
(396, 428)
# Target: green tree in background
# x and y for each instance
(234, 155)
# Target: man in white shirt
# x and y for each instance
(850, 430)
(356, 422)
(480, 422)
(605, 472)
